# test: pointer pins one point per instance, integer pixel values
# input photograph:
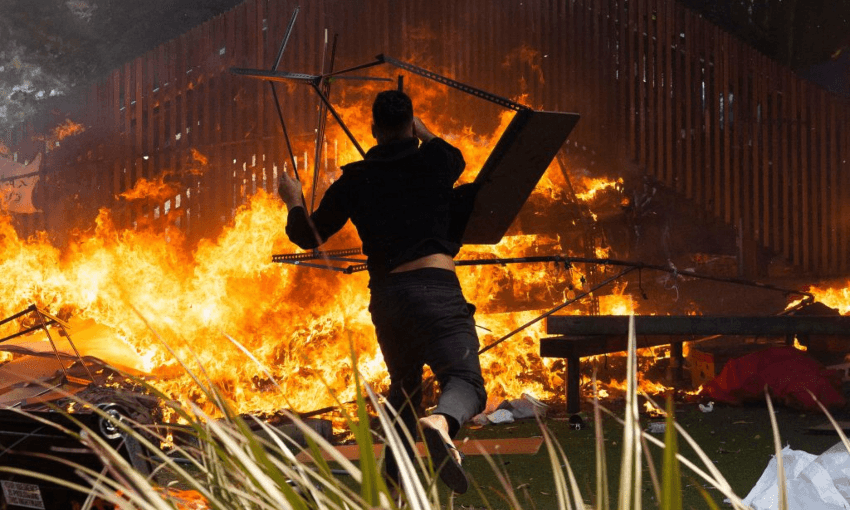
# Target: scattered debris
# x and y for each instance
(509, 410)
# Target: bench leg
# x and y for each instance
(677, 362)
(573, 385)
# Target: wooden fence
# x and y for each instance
(656, 85)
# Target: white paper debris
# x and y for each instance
(813, 482)
(509, 410)
(501, 416)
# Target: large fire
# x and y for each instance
(133, 292)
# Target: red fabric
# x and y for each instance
(788, 372)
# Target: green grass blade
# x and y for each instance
(671, 477)
(709, 501)
(777, 445)
(630, 466)
(371, 482)
(561, 489)
(602, 496)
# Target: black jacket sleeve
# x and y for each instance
(444, 156)
(326, 220)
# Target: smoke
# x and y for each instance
(51, 49)
(24, 84)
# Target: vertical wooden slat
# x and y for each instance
(207, 128)
(700, 68)
(825, 238)
(169, 115)
(633, 63)
(179, 127)
(622, 91)
(159, 161)
(231, 86)
(138, 113)
(844, 171)
(745, 201)
(246, 12)
(716, 168)
(627, 75)
(662, 83)
(727, 182)
(259, 90)
(689, 57)
(642, 82)
(833, 166)
(593, 12)
(719, 111)
(811, 176)
(803, 214)
(769, 230)
(779, 181)
(774, 162)
(148, 102)
(672, 101)
(117, 122)
(708, 117)
(193, 139)
(647, 57)
(789, 89)
(759, 226)
(604, 63)
(218, 98)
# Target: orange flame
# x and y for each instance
(199, 158)
(836, 296)
(66, 129)
(155, 190)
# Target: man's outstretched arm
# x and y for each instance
(310, 232)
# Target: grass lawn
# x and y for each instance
(738, 439)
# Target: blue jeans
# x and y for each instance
(421, 317)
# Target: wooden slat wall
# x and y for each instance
(656, 85)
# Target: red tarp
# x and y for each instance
(788, 372)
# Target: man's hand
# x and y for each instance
(290, 191)
(421, 131)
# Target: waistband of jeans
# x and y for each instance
(430, 274)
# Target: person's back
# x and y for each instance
(399, 201)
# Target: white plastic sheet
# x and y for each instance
(814, 482)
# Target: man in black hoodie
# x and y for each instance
(399, 198)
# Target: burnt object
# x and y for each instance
(50, 398)
(513, 169)
(36, 442)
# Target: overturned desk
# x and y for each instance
(579, 336)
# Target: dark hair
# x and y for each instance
(392, 110)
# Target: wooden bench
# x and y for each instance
(579, 336)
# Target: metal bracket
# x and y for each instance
(46, 319)
(507, 103)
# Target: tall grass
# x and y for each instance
(230, 466)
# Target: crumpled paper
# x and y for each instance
(814, 482)
(510, 410)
